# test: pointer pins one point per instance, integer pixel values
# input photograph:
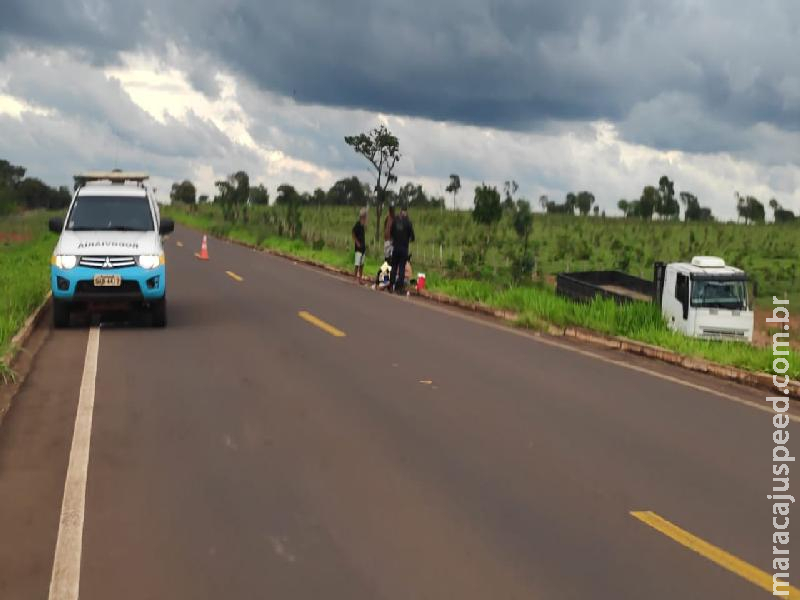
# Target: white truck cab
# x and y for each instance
(707, 299)
(109, 252)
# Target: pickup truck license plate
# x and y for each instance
(107, 280)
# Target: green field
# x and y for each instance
(451, 240)
(471, 262)
(25, 249)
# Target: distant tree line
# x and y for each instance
(381, 149)
(582, 202)
(235, 190)
(751, 210)
(18, 192)
(661, 202)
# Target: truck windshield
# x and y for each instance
(719, 293)
(110, 213)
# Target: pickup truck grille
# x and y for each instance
(107, 262)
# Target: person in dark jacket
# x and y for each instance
(360, 243)
(402, 233)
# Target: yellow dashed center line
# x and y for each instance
(328, 328)
(234, 276)
(716, 555)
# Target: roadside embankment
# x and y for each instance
(25, 249)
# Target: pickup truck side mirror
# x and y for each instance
(166, 226)
(56, 224)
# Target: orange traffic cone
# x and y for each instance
(203, 249)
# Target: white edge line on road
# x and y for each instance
(65, 579)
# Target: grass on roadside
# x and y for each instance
(539, 306)
(536, 305)
(25, 249)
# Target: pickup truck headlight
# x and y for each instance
(64, 261)
(151, 261)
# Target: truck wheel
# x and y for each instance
(60, 314)
(158, 312)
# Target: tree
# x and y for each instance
(544, 201)
(596, 211)
(10, 175)
(59, 198)
(584, 202)
(8, 201)
(437, 202)
(647, 203)
(523, 221)
(780, 214)
(692, 211)
(183, 192)
(487, 209)
(287, 195)
(624, 206)
(570, 203)
(242, 190)
(412, 195)
(224, 196)
(554, 208)
(32, 193)
(666, 206)
(757, 212)
(258, 195)
(382, 151)
(348, 192)
(453, 187)
(749, 209)
(691, 206)
(232, 194)
(510, 189)
(319, 197)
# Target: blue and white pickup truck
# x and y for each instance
(109, 253)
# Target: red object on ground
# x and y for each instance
(420, 282)
(203, 249)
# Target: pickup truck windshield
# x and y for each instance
(730, 294)
(110, 213)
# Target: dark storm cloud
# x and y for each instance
(511, 64)
(98, 28)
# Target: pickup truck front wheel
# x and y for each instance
(158, 312)
(60, 314)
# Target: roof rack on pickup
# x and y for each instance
(116, 177)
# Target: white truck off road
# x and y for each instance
(704, 298)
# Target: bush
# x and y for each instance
(522, 265)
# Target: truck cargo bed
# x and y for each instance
(584, 286)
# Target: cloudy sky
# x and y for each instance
(561, 96)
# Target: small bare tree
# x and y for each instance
(453, 187)
(382, 150)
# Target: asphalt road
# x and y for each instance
(246, 452)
